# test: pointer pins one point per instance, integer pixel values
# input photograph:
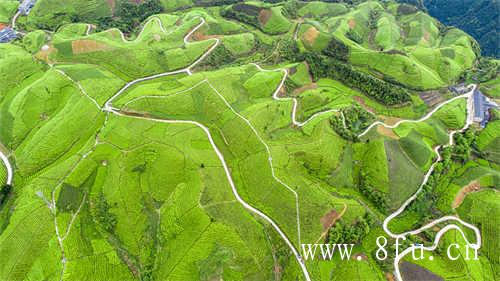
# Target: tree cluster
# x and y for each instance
(220, 56)
(351, 122)
(243, 13)
(290, 9)
(337, 49)
(129, 15)
(344, 233)
(485, 70)
(373, 194)
(459, 152)
(4, 193)
(354, 36)
(103, 215)
(386, 93)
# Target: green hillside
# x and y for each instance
(210, 140)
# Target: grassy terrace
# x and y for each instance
(102, 196)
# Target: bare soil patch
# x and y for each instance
(413, 272)
(431, 98)
(361, 101)
(111, 5)
(351, 23)
(88, 46)
(390, 120)
(304, 88)
(264, 16)
(310, 35)
(389, 276)
(327, 219)
(426, 37)
(471, 187)
(200, 36)
(282, 92)
(387, 132)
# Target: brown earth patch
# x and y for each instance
(88, 46)
(200, 36)
(111, 5)
(431, 98)
(390, 120)
(310, 35)
(387, 132)
(327, 219)
(264, 16)
(304, 88)
(282, 92)
(351, 23)
(389, 276)
(471, 187)
(413, 272)
(426, 37)
(361, 101)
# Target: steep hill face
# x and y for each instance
(479, 18)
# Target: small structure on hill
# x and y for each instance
(7, 34)
(26, 6)
(459, 89)
(482, 106)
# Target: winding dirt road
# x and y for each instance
(108, 107)
(8, 167)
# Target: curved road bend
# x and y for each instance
(8, 167)
(231, 182)
(469, 121)
(187, 70)
(109, 108)
(294, 100)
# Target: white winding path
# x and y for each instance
(294, 100)
(14, 19)
(477, 245)
(110, 109)
(187, 70)
(8, 167)
(231, 182)
(468, 123)
(268, 150)
(425, 117)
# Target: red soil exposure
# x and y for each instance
(426, 36)
(264, 16)
(387, 132)
(351, 23)
(111, 5)
(471, 187)
(304, 88)
(87, 46)
(200, 36)
(310, 35)
(327, 219)
(361, 101)
(389, 276)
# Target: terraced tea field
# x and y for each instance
(202, 144)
